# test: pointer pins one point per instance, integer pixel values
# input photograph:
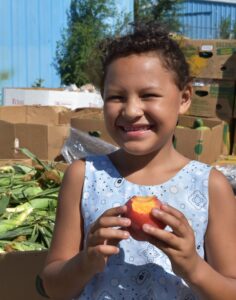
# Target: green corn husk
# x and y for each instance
(22, 246)
(30, 191)
(52, 192)
(23, 169)
(36, 203)
(6, 169)
(28, 202)
(14, 233)
(5, 180)
(34, 158)
(15, 221)
(4, 202)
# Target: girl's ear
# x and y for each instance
(186, 99)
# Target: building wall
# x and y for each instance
(201, 19)
(29, 30)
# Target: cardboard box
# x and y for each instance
(36, 128)
(211, 58)
(90, 120)
(90, 125)
(45, 141)
(213, 98)
(202, 145)
(83, 113)
(18, 272)
(35, 114)
(51, 97)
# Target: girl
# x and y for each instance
(145, 87)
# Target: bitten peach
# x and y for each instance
(139, 211)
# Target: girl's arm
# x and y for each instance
(63, 264)
(69, 264)
(216, 279)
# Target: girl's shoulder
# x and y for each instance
(198, 164)
(219, 184)
(74, 173)
(198, 168)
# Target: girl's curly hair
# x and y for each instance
(148, 37)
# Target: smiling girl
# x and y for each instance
(145, 87)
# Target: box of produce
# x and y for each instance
(28, 200)
(214, 59)
(199, 138)
(213, 98)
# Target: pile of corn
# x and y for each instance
(28, 201)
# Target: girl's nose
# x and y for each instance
(132, 109)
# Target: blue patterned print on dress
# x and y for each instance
(140, 270)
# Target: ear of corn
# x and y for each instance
(28, 202)
(14, 221)
(4, 201)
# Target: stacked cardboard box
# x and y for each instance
(211, 58)
(213, 68)
(89, 121)
(202, 145)
(44, 129)
(37, 128)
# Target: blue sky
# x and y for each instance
(125, 5)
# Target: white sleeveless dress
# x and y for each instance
(141, 271)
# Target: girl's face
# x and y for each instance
(142, 103)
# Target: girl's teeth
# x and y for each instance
(135, 128)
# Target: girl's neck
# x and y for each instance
(144, 169)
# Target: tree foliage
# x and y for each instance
(77, 55)
(77, 58)
(163, 11)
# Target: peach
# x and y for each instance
(139, 211)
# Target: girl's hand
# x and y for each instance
(104, 235)
(178, 245)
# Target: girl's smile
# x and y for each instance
(135, 130)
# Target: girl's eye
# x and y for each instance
(150, 96)
(115, 98)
